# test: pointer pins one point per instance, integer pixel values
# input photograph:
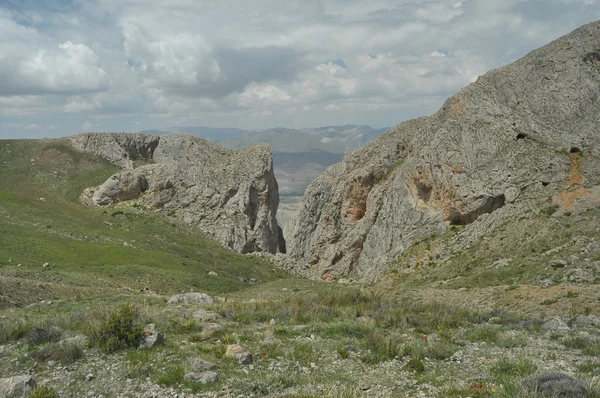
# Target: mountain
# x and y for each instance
(214, 134)
(300, 156)
(334, 139)
(231, 195)
(502, 171)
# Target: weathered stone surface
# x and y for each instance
(151, 337)
(202, 365)
(193, 297)
(557, 263)
(557, 385)
(211, 327)
(17, 386)
(231, 195)
(206, 316)
(510, 138)
(204, 377)
(587, 320)
(556, 325)
(243, 356)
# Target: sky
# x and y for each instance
(68, 66)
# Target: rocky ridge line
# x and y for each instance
(230, 195)
(515, 136)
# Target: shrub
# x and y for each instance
(118, 329)
(14, 330)
(43, 392)
(44, 335)
(488, 334)
(343, 352)
(510, 367)
(171, 377)
(383, 348)
(65, 353)
(415, 365)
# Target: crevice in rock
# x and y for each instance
(252, 208)
(250, 247)
(423, 190)
(281, 243)
(574, 149)
(489, 205)
(356, 197)
(521, 136)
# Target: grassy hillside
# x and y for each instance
(96, 251)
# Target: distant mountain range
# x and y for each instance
(334, 139)
(300, 155)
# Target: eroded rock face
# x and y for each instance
(230, 195)
(514, 135)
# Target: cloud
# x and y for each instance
(30, 64)
(184, 64)
(126, 64)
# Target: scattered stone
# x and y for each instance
(213, 273)
(457, 356)
(556, 325)
(558, 263)
(243, 356)
(89, 377)
(366, 319)
(151, 337)
(79, 340)
(557, 385)
(364, 386)
(587, 320)
(201, 298)
(16, 386)
(272, 340)
(201, 365)
(211, 327)
(204, 377)
(482, 377)
(45, 265)
(206, 316)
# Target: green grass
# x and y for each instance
(43, 392)
(170, 377)
(85, 245)
(508, 367)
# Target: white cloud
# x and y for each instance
(87, 126)
(33, 64)
(258, 63)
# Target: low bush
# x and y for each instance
(65, 353)
(171, 377)
(116, 330)
(43, 392)
(513, 367)
(14, 330)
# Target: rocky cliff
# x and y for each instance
(527, 132)
(230, 195)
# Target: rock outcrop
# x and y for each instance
(526, 131)
(230, 195)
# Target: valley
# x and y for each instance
(454, 255)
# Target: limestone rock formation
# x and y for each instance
(230, 195)
(522, 132)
